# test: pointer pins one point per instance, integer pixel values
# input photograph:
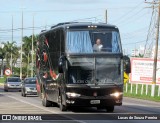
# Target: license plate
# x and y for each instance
(33, 90)
(95, 101)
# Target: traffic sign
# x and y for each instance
(7, 72)
(126, 78)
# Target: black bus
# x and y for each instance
(81, 65)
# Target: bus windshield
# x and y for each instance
(103, 70)
(93, 41)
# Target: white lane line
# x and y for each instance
(20, 100)
(45, 109)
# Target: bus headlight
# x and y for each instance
(69, 95)
(116, 94)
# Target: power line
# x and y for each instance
(124, 15)
(134, 42)
(62, 10)
(19, 29)
(133, 33)
(95, 18)
(130, 17)
(148, 31)
(42, 27)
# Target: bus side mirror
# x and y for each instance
(61, 64)
(60, 67)
(127, 64)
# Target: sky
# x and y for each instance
(132, 17)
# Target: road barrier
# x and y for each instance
(141, 89)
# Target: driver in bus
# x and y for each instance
(98, 46)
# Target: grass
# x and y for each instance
(142, 95)
(2, 80)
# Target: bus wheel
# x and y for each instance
(5, 90)
(61, 106)
(45, 102)
(110, 108)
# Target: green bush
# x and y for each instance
(2, 79)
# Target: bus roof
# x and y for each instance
(79, 25)
(75, 24)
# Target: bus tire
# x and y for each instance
(5, 90)
(45, 102)
(61, 106)
(110, 108)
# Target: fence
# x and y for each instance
(141, 89)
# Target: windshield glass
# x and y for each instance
(14, 80)
(30, 81)
(92, 41)
(91, 70)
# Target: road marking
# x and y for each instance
(44, 109)
(31, 104)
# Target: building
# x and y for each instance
(134, 52)
(149, 53)
(137, 51)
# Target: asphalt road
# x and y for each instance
(14, 103)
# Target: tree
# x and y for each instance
(141, 55)
(2, 55)
(27, 44)
(27, 47)
(10, 49)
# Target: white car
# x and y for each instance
(12, 83)
(29, 87)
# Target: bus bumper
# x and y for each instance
(93, 102)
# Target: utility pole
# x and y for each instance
(12, 43)
(21, 47)
(28, 66)
(32, 49)
(155, 53)
(106, 16)
(155, 50)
